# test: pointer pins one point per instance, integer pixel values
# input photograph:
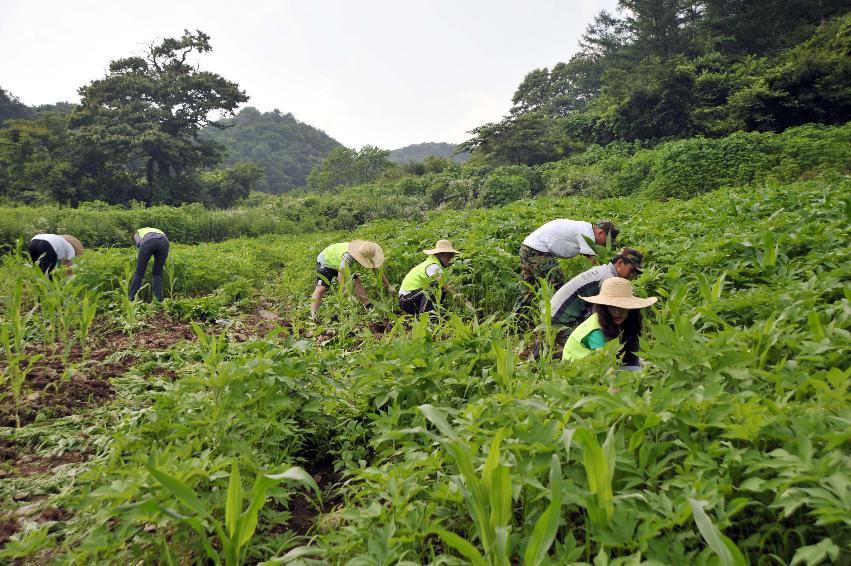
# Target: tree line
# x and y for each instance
(156, 127)
(669, 69)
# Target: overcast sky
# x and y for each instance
(382, 72)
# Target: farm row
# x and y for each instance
(251, 434)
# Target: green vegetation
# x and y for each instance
(419, 152)
(284, 148)
(439, 442)
(226, 426)
(668, 70)
(677, 169)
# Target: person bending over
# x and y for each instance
(557, 239)
(416, 294)
(49, 250)
(616, 315)
(151, 242)
(567, 310)
(337, 259)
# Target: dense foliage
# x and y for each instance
(445, 445)
(283, 147)
(662, 70)
(676, 169)
(134, 136)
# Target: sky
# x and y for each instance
(387, 73)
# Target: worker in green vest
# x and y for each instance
(616, 315)
(416, 294)
(150, 242)
(338, 259)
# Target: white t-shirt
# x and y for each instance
(60, 245)
(563, 238)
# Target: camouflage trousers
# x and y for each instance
(535, 265)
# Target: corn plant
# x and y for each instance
(129, 309)
(235, 532)
(88, 310)
(15, 375)
(489, 502)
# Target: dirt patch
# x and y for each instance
(160, 332)
(303, 510)
(8, 450)
(8, 527)
(48, 390)
(31, 464)
(45, 391)
(259, 323)
(379, 329)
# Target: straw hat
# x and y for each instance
(75, 243)
(442, 246)
(368, 254)
(617, 292)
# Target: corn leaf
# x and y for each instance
(461, 545)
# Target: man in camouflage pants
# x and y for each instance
(557, 239)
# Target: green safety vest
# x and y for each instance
(417, 278)
(334, 254)
(573, 348)
(145, 231)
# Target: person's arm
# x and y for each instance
(390, 288)
(585, 249)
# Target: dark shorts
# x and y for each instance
(327, 275)
(416, 303)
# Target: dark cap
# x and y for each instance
(634, 257)
(609, 228)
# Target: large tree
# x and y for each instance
(145, 116)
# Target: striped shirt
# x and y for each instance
(566, 306)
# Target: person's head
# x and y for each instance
(605, 230)
(628, 263)
(75, 243)
(618, 308)
(366, 253)
(444, 252)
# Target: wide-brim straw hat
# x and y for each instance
(75, 243)
(368, 254)
(441, 247)
(617, 292)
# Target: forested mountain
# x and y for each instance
(11, 108)
(284, 148)
(418, 152)
(662, 69)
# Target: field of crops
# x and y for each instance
(225, 427)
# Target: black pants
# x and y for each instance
(42, 251)
(157, 247)
(417, 302)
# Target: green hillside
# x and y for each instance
(418, 152)
(284, 148)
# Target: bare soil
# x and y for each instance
(304, 511)
(47, 389)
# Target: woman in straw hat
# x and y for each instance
(413, 295)
(616, 314)
(337, 259)
(150, 242)
(50, 249)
